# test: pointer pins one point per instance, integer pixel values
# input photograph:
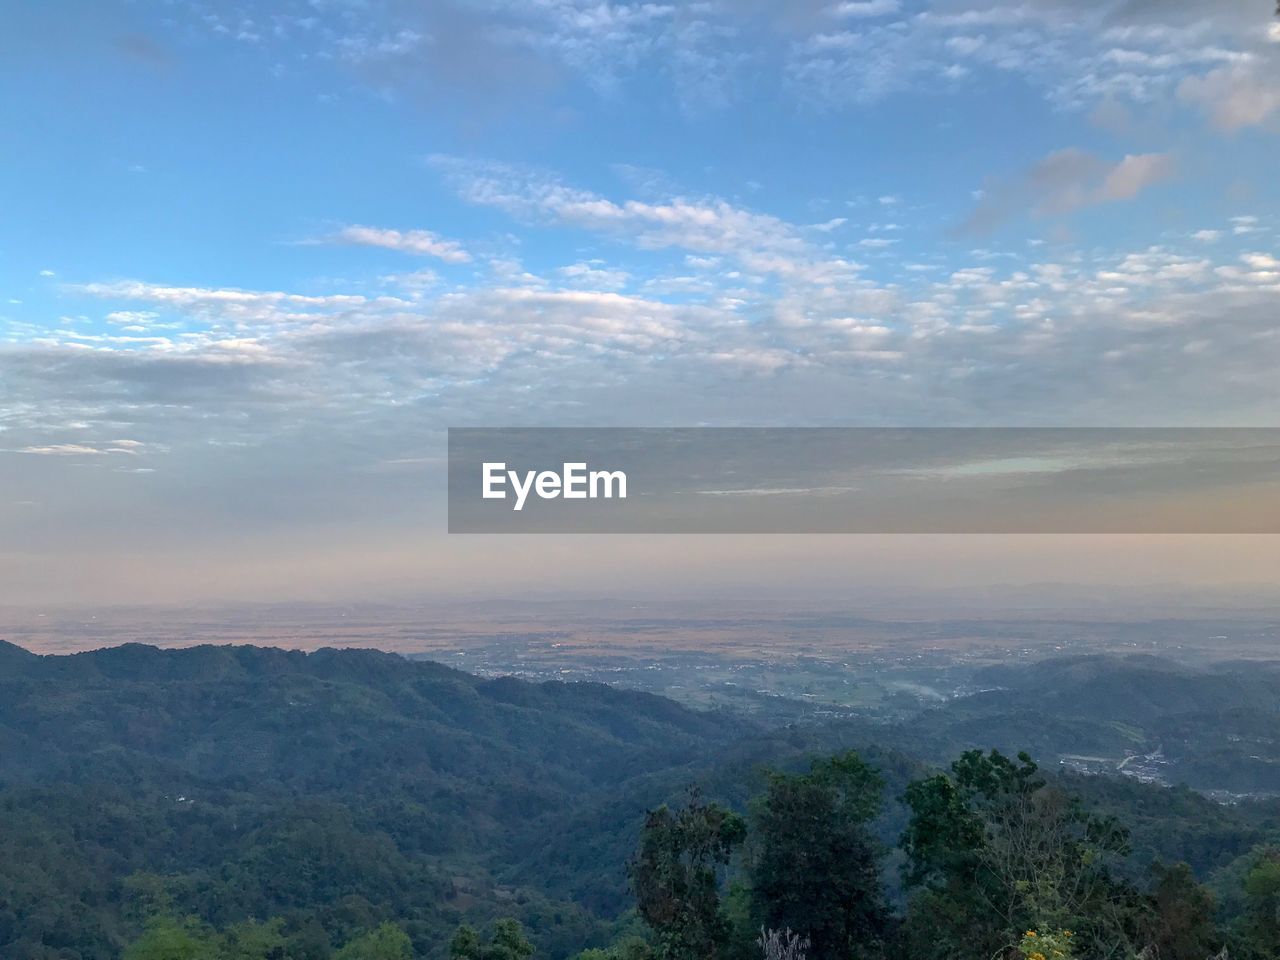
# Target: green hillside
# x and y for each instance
(339, 790)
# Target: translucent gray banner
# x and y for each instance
(864, 480)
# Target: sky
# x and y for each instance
(256, 258)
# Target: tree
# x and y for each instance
(676, 877)
(1180, 925)
(1262, 892)
(465, 944)
(387, 942)
(815, 868)
(508, 942)
(168, 939)
(253, 941)
(628, 948)
(993, 852)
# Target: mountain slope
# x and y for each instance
(238, 781)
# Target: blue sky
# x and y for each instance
(249, 245)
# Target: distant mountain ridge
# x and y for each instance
(176, 705)
(13, 658)
(1215, 728)
(325, 785)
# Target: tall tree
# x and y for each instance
(1180, 924)
(1262, 890)
(815, 868)
(676, 876)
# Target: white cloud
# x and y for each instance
(867, 8)
(1066, 181)
(132, 317)
(1259, 268)
(420, 242)
(702, 263)
(1005, 340)
(831, 53)
(182, 296)
(759, 242)
(414, 282)
(1134, 174)
(1234, 97)
(594, 275)
(130, 447)
(63, 450)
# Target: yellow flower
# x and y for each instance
(1031, 933)
(1036, 956)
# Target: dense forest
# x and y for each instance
(260, 804)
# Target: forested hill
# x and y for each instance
(1216, 728)
(346, 719)
(341, 789)
(1139, 688)
(347, 786)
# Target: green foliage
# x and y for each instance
(1174, 825)
(508, 942)
(1260, 926)
(336, 790)
(169, 939)
(676, 877)
(627, 948)
(387, 942)
(1180, 925)
(998, 851)
(815, 868)
(344, 790)
(1047, 945)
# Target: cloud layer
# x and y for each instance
(491, 54)
(255, 322)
